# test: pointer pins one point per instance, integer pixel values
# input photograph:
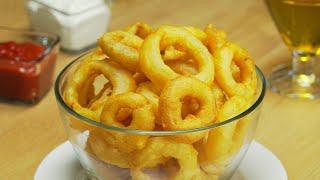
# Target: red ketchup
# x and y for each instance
(25, 71)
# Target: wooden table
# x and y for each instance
(290, 128)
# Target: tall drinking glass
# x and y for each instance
(299, 27)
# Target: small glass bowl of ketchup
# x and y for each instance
(27, 61)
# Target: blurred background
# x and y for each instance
(233, 17)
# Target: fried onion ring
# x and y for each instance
(122, 47)
(219, 96)
(159, 150)
(241, 133)
(96, 103)
(189, 106)
(142, 119)
(107, 153)
(171, 53)
(95, 55)
(247, 85)
(149, 91)
(215, 38)
(170, 104)
(196, 32)
(235, 70)
(140, 29)
(151, 62)
(186, 68)
(87, 92)
(120, 79)
(219, 141)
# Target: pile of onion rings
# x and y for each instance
(170, 78)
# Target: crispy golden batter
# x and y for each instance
(142, 118)
(123, 47)
(151, 62)
(82, 80)
(159, 150)
(170, 107)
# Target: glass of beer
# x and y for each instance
(298, 22)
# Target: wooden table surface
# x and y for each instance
(290, 128)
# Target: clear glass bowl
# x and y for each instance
(28, 81)
(216, 156)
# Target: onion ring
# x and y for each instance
(219, 141)
(218, 95)
(107, 153)
(189, 106)
(96, 103)
(87, 92)
(170, 107)
(185, 68)
(241, 132)
(235, 70)
(149, 91)
(171, 53)
(97, 54)
(196, 32)
(139, 29)
(122, 47)
(120, 79)
(247, 85)
(215, 38)
(142, 119)
(94, 55)
(157, 71)
(159, 150)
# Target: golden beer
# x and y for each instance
(298, 22)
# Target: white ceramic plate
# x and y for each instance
(258, 164)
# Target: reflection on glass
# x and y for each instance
(299, 27)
